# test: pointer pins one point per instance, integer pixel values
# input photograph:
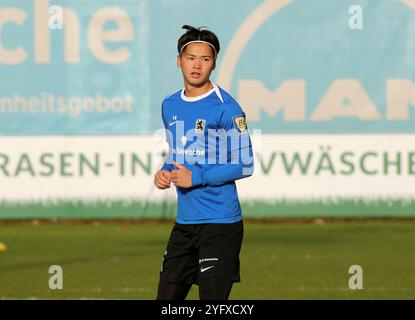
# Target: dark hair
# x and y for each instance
(194, 34)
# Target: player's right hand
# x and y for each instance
(162, 179)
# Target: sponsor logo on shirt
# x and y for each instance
(192, 152)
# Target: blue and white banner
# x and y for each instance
(329, 84)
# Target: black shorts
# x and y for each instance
(197, 251)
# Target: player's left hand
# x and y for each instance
(181, 177)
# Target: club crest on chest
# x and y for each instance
(200, 125)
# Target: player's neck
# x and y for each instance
(192, 91)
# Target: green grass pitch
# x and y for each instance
(278, 261)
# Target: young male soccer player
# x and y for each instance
(209, 148)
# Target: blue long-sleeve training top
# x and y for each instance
(208, 134)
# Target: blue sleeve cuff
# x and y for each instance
(167, 167)
(198, 177)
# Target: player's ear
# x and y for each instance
(178, 62)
